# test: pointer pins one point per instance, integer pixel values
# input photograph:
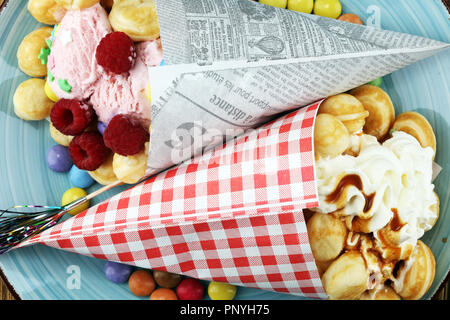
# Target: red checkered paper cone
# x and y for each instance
(231, 215)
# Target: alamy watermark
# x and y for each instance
(192, 141)
(73, 281)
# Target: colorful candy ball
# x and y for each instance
(190, 289)
(141, 283)
(350, 17)
(163, 294)
(101, 127)
(80, 178)
(49, 92)
(58, 159)
(117, 272)
(221, 291)
(74, 194)
(328, 8)
(377, 82)
(166, 279)
(305, 6)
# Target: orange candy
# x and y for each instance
(141, 283)
(163, 294)
(350, 17)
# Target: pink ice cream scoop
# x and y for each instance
(71, 63)
(123, 94)
(127, 93)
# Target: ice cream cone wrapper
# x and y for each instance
(231, 215)
(236, 64)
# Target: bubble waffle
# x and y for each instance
(59, 137)
(331, 137)
(137, 18)
(29, 51)
(415, 275)
(376, 199)
(347, 109)
(76, 4)
(346, 277)
(418, 126)
(327, 235)
(46, 11)
(105, 173)
(30, 100)
(130, 169)
(380, 107)
(383, 293)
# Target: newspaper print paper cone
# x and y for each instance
(232, 215)
(235, 64)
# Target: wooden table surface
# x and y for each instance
(5, 293)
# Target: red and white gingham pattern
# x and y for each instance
(231, 215)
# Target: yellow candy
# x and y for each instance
(305, 6)
(221, 291)
(328, 8)
(149, 94)
(49, 92)
(56, 30)
(275, 3)
(74, 194)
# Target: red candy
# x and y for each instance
(71, 117)
(88, 151)
(190, 289)
(116, 53)
(125, 136)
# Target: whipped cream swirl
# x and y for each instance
(384, 183)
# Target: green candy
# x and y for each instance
(43, 55)
(64, 85)
(376, 82)
(49, 43)
(50, 76)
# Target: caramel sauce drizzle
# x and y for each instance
(395, 223)
(351, 180)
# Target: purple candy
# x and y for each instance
(117, 272)
(58, 159)
(101, 127)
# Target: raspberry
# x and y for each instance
(88, 151)
(71, 117)
(125, 136)
(116, 53)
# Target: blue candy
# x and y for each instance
(117, 272)
(101, 127)
(80, 178)
(58, 159)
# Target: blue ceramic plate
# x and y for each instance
(40, 272)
